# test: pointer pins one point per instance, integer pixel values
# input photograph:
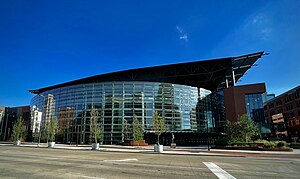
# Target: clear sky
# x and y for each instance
(43, 43)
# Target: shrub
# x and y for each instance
(260, 141)
(267, 144)
(236, 141)
(240, 143)
(223, 141)
(270, 144)
(281, 144)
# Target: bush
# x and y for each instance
(281, 144)
(270, 144)
(223, 141)
(267, 144)
(239, 143)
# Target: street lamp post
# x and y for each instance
(68, 124)
(208, 147)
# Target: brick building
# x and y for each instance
(283, 112)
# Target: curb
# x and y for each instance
(170, 152)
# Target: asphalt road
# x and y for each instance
(26, 162)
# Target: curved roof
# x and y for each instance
(208, 74)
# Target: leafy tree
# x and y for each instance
(52, 129)
(138, 133)
(44, 134)
(18, 129)
(127, 130)
(158, 125)
(60, 132)
(95, 126)
(243, 130)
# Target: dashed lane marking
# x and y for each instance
(122, 160)
(92, 177)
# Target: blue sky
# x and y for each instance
(43, 43)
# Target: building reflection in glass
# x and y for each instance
(183, 108)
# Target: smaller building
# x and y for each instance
(36, 118)
(247, 99)
(270, 96)
(9, 118)
(2, 114)
(66, 126)
(283, 112)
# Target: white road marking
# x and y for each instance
(51, 158)
(218, 171)
(92, 177)
(122, 160)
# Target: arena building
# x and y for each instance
(189, 97)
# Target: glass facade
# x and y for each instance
(211, 112)
(119, 101)
(254, 106)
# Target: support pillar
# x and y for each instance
(233, 77)
(226, 82)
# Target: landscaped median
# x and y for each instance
(260, 145)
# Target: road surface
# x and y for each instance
(28, 162)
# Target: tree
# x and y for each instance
(138, 133)
(243, 130)
(95, 130)
(60, 132)
(127, 128)
(158, 125)
(18, 129)
(52, 129)
(44, 134)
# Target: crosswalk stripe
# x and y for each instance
(218, 171)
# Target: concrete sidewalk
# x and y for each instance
(180, 150)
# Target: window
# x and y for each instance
(177, 104)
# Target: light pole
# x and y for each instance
(208, 147)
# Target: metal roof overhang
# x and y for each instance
(208, 74)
